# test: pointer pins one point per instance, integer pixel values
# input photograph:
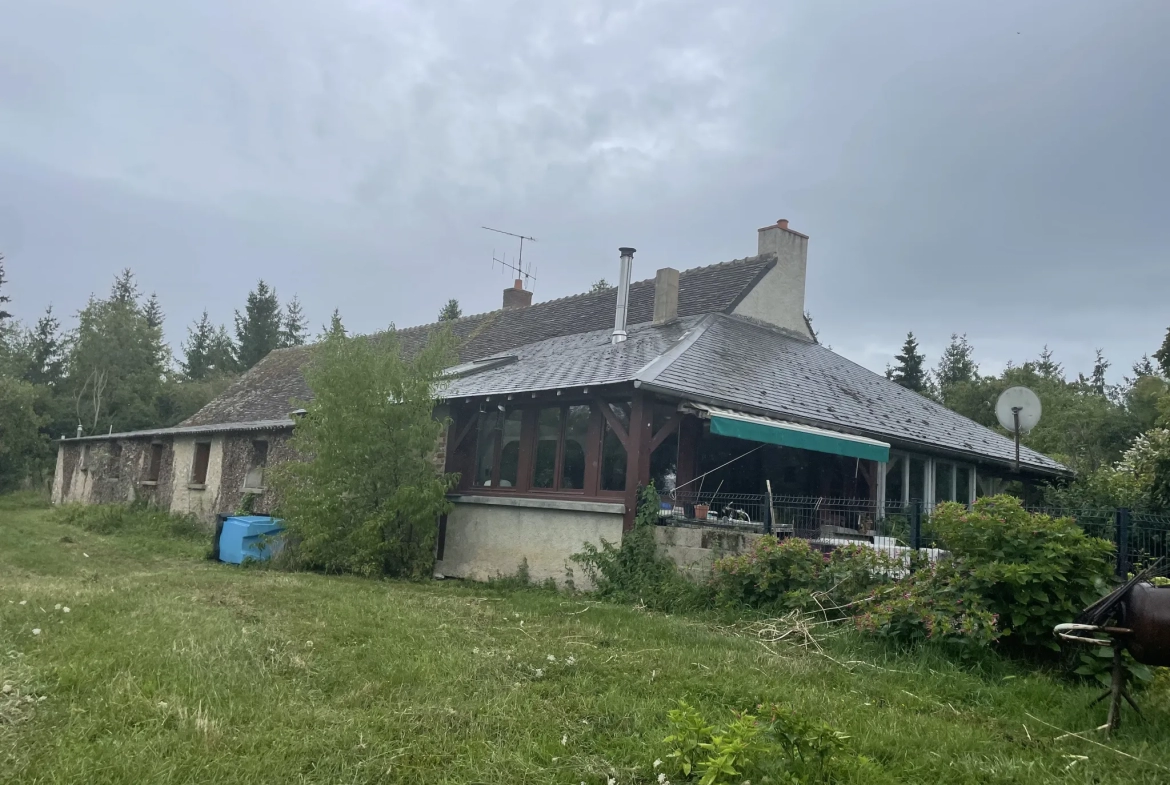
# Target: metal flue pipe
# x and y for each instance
(623, 295)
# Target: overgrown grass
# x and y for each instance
(170, 668)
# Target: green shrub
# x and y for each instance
(792, 574)
(1032, 570)
(784, 748)
(634, 571)
(136, 518)
(369, 495)
(933, 603)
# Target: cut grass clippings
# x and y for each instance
(170, 668)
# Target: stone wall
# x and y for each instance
(695, 548)
(103, 472)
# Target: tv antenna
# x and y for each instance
(1018, 410)
(521, 272)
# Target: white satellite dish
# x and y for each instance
(1018, 410)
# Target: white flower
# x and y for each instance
(309, 644)
(24, 602)
(657, 762)
(36, 630)
(475, 650)
(57, 607)
(65, 609)
(551, 658)
(611, 781)
(662, 776)
(565, 740)
(571, 661)
(515, 615)
(539, 672)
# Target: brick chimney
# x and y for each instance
(665, 295)
(517, 296)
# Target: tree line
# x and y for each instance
(112, 370)
(1115, 436)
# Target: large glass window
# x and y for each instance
(485, 447)
(548, 436)
(510, 448)
(613, 453)
(573, 460)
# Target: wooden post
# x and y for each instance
(637, 455)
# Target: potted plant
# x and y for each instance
(701, 511)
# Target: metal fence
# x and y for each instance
(895, 527)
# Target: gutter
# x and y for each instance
(189, 430)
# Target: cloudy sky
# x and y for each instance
(999, 169)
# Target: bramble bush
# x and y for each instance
(791, 574)
(933, 603)
(1031, 570)
(635, 571)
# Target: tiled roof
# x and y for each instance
(268, 389)
(737, 363)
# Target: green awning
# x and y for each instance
(726, 422)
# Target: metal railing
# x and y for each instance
(895, 527)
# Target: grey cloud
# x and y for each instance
(996, 169)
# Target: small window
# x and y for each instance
(510, 449)
(114, 461)
(154, 468)
(254, 479)
(573, 460)
(83, 464)
(199, 466)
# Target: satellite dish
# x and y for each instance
(1018, 410)
(1018, 402)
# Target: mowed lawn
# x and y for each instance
(169, 668)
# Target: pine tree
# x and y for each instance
(1047, 367)
(295, 329)
(1096, 381)
(957, 364)
(1163, 354)
(125, 289)
(450, 311)
(910, 371)
(196, 349)
(221, 354)
(153, 312)
(258, 329)
(600, 285)
(335, 327)
(3, 297)
(1144, 367)
(46, 352)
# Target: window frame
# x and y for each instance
(196, 482)
(154, 462)
(253, 466)
(466, 455)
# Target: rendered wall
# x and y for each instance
(695, 549)
(489, 537)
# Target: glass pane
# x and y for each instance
(576, 429)
(548, 434)
(894, 481)
(944, 475)
(510, 451)
(485, 447)
(917, 479)
(613, 454)
(664, 465)
(963, 485)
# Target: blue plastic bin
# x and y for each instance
(249, 537)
